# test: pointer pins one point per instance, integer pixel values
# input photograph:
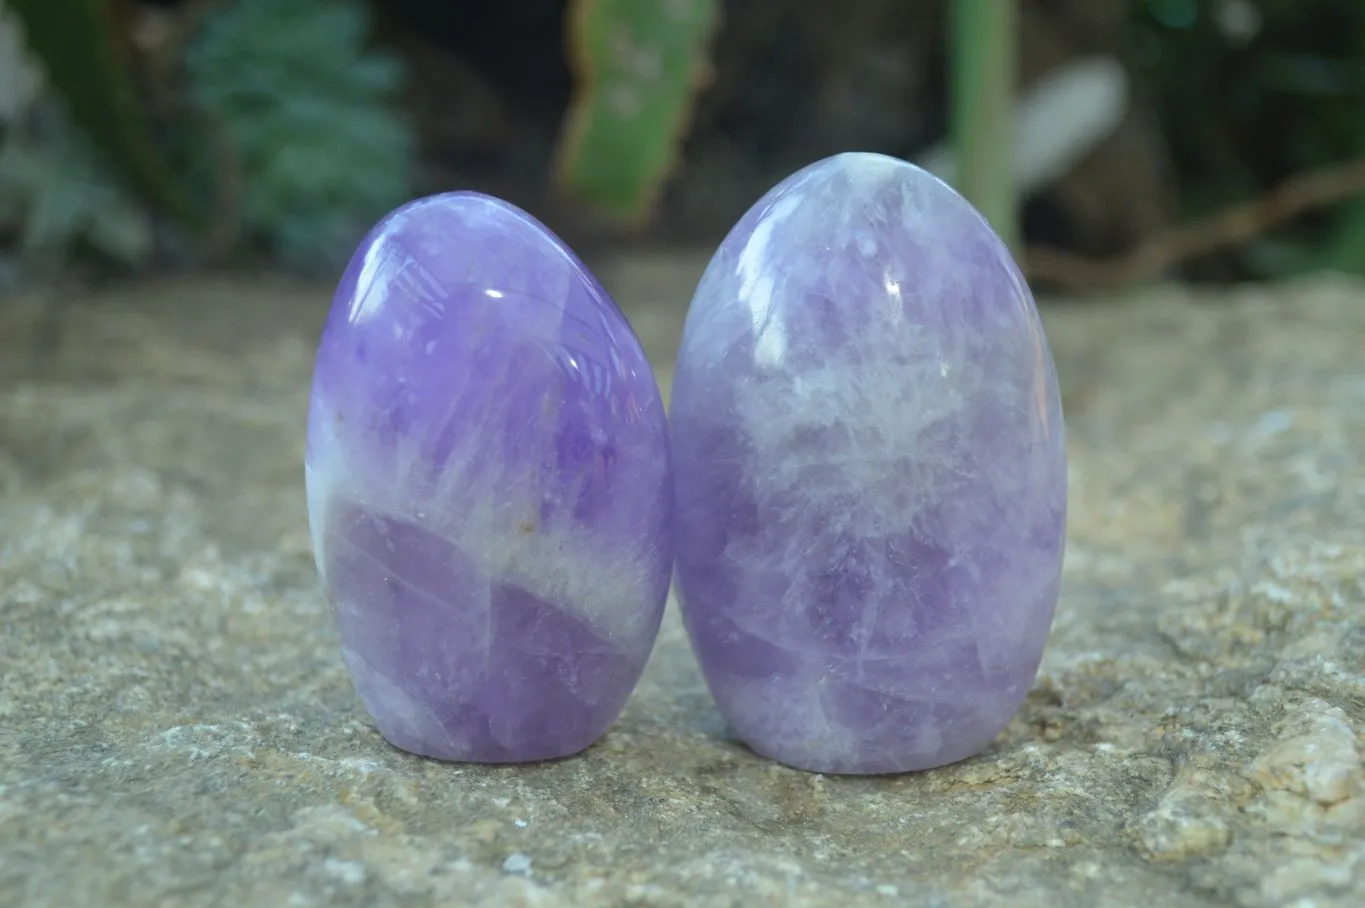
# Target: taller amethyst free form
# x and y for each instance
(489, 487)
(870, 473)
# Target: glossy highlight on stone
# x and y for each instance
(489, 486)
(870, 472)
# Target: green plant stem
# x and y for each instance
(984, 52)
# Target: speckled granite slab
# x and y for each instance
(176, 726)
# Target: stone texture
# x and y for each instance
(488, 483)
(871, 473)
(177, 726)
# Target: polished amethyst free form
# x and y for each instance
(870, 473)
(489, 487)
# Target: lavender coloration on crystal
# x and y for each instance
(870, 473)
(489, 486)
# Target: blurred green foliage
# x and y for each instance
(637, 65)
(77, 44)
(1250, 93)
(59, 192)
(311, 114)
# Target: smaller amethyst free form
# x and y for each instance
(489, 488)
(870, 473)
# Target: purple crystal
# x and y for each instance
(489, 486)
(870, 473)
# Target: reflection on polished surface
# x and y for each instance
(871, 473)
(489, 485)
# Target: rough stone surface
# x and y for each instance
(177, 726)
(871, 473)
(488, 484)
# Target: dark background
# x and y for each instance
(1225, 100)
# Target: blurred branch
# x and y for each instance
(162, 38)
(984, 49)
(1235, 226)
(223, 229)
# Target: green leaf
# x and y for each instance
(75, 42)
(638, 65)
